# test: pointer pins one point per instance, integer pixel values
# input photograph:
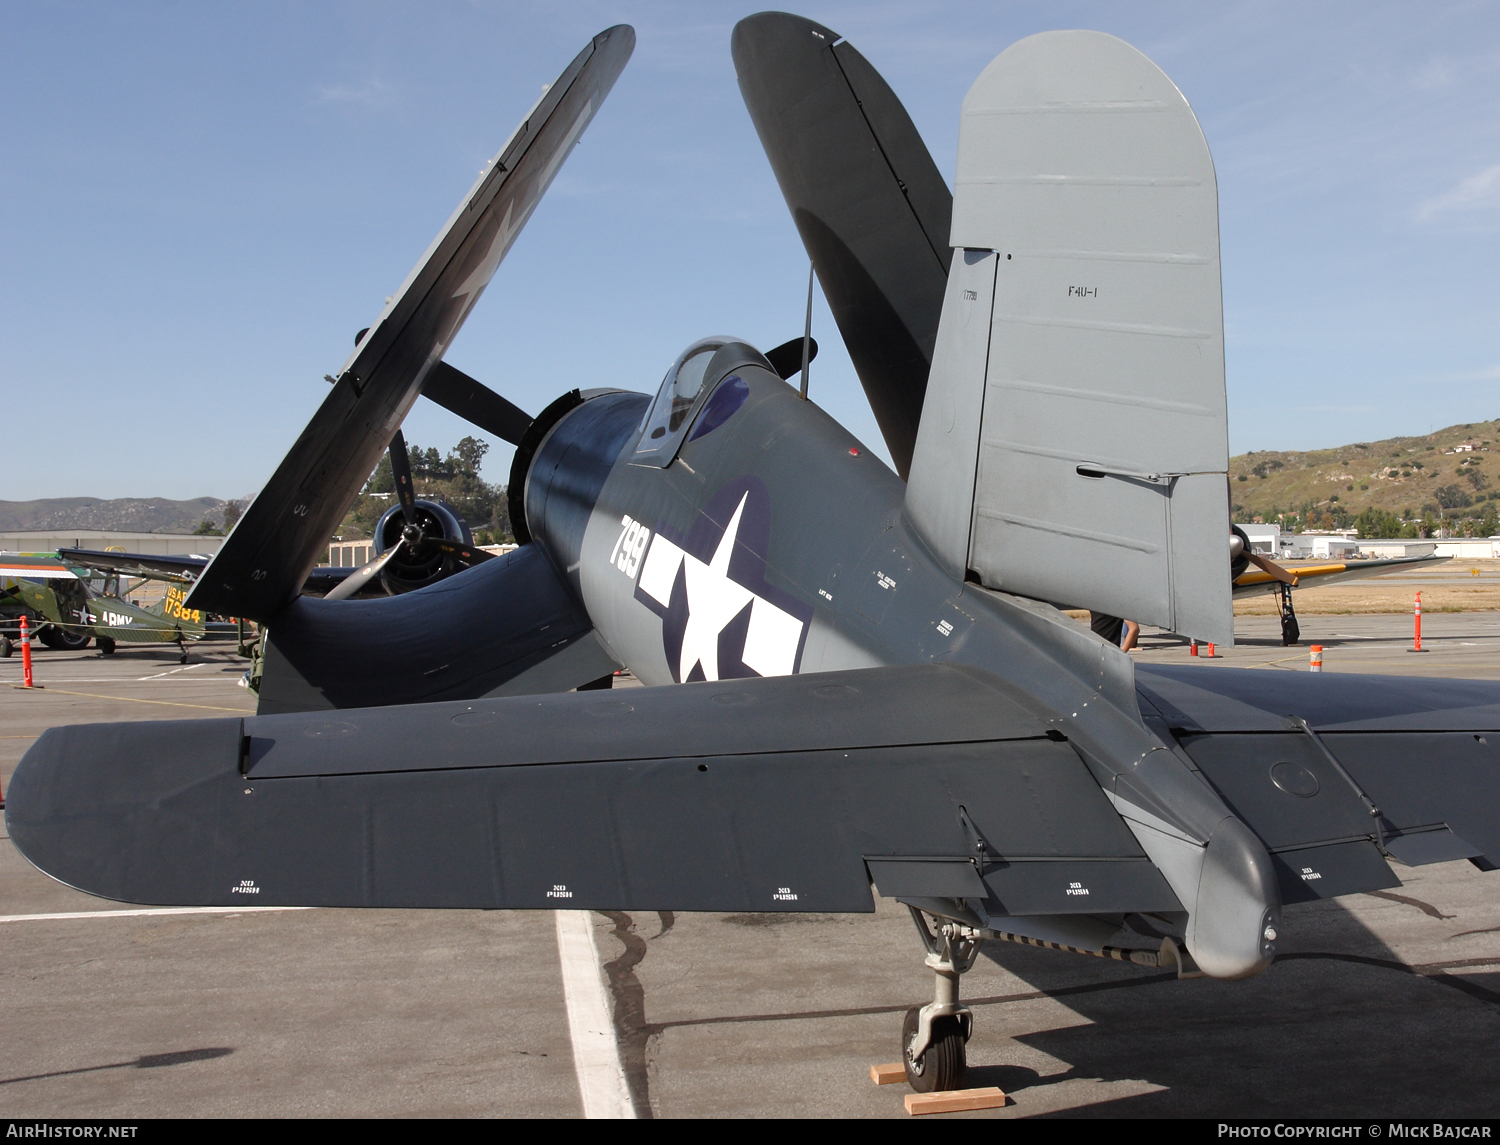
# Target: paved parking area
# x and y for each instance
(1382, 1005)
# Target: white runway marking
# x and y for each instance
(173, 672)
(125, 680)
(146, 912)
(596, 1054)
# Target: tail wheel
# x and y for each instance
(106, 646)
(943, 1064)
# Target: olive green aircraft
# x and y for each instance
(69, 610)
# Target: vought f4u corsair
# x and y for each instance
(856, 677)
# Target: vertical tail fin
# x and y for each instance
(1074, 439)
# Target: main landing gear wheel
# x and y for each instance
(943, 1064)
(933, 1036)
(62, 640)
(1291, 631)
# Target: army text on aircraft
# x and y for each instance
(853, 676)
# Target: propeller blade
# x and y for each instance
(360, 577)
(786, 359)
(475, 402)
(401, 471)
(1270, 566)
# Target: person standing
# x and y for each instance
(1122, 633)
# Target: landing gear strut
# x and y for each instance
(933, 1037)
(1291, 632)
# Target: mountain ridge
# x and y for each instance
(121, 514)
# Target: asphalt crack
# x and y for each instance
(629, 1006)
(1426, 908)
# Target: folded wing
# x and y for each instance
(871, 207)
(265, 560)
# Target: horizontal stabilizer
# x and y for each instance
(1073, 444)
(766, 794)
(1329, 770)
(265, 560)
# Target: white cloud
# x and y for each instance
(1475, 192)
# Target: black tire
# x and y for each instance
(63, 639)
(6, 648)
(943, 1064)
(106, 645)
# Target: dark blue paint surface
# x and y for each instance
(730, 395)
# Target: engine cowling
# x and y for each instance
(417, 566)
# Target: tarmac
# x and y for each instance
(1380, 1005)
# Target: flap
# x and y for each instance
(902, 877)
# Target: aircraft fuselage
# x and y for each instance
(733, 560)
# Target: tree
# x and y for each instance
(452, 478)
(1452, 497)
(382, 480)
(207, 528)
(233, 511)
(468, 455)
(1377, 523)
(1489, 524)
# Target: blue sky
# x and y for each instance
(200, 205)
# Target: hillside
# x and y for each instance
(1402, 485)
(1452, 475)
(126, 514)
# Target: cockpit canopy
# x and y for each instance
(694, 374)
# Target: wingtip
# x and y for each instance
(778, 32)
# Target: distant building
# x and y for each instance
(1469, 548)
(353, 554)
(156, 544)
(350, 554)
(1264, 539)
(1385, 550)
(1321, 546)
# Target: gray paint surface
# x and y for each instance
(1084, 169)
